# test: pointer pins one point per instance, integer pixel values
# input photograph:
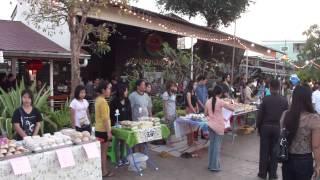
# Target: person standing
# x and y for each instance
(303, 125)
(148, 92)
(227, 93)
(191, 107)
(202, 93)
(103, 123)
(213, 111)
(79, 110)
(268, 124)
(26, 119)
(122, 104)
(169, 106)
(316, 98)
(140, 102)
(248, 92)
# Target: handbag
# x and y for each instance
(283, 147)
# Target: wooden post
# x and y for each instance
(51, 85)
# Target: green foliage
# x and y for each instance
(157, 105)
(61, 117)
(311, 51)
(216, 12)
(159, 114)
(10, 101)
(178, 67)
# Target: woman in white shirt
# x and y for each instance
(79, 110)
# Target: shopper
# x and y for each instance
(169, 106)
(122, 105)
(140, 102)
(26, 119)
(148, 92)
(268, 124)
(202, 92)
(103, 123)
(191, 107)
(79, 110)
(303, 125)
(248, 92)
(316, 98)
(213, 110)
(227, 93)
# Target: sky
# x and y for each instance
(265, 20)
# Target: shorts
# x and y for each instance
(101, 136)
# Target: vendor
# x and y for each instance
(26, 119)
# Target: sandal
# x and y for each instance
(108, 174)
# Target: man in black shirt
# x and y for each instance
(268, 124)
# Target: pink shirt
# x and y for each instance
(215, 119)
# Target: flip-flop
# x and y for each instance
(108, 174)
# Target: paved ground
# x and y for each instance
(239, 162)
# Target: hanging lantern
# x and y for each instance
(34, 65)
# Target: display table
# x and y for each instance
(130, 137)
(184, 126)
(45, 165)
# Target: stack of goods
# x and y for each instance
(196, 117)
(132, 125)
(10, 148)
(155, 120)
(46, 142)
(78, 137)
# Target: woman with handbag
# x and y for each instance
(79, 110)
(216, 123)
(303, 126)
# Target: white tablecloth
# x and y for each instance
(45, 166)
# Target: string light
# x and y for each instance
(180, 31)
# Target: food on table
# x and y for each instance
(37, 143)
(10, 147)
(143, 123)
(78, 137)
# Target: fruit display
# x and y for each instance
(47, 141)
(78, 137)
(10, 148)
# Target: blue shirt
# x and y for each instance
(202, 93)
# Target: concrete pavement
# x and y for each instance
(239, 162)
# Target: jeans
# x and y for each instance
(298, 167)
(214, 150)
(268, 163)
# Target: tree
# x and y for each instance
(310, 52)
(216, 12)
(49, 14)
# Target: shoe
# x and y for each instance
(261, 176)
(120, 163)
(273, 177)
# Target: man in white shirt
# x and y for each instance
(316, 99)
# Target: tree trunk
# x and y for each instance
(75, 47)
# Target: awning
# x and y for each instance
(149, 20)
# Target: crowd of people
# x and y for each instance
(7, 82)
(295, 113)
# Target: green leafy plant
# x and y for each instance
(61, 117)
(157, 105)
(10, 101)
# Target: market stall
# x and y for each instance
(192, 122)
(50, 157)
(140, 133)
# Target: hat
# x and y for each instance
(294, 79)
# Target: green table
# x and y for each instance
(130, 136)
